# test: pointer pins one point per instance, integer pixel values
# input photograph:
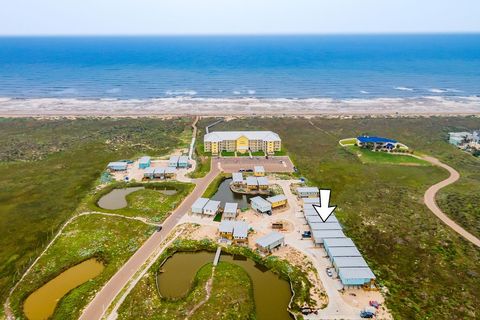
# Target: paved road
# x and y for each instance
(429, 200)
(107, 294)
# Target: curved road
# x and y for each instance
(429, 200)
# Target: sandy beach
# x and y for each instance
(426, 106)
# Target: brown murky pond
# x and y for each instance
(41, 303)
(271, 293)
(116, 199)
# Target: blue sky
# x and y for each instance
(130, 17)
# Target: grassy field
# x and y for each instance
(430, 271)
(203, 159)
(110, 239)
(150, 203)
(49, 166)
(371, 157)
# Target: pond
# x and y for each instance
(225, 194)
(271, 293)
(116, 199)
(42, 302)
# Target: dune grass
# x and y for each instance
(370, 157)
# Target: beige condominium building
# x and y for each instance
(242, 141)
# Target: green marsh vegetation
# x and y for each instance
(49, 166)
(429, 270)
(149, 203)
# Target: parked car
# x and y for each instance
(249, 170)
(366, 314)
(329, 272)
(374, 304)
(307, 234)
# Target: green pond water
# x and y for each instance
(225, 194)
(271, 293)
(41, 303)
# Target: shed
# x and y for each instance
(261, 205)
(258, 171)
(144, 162)
(159, 172)
(237, 178)
(197, 206)
(270, 241)
(307, 201)
(343, 252)
(349, 262)
(319, 235)
(252, 183)
(355, 276)
(308, 192)
(149, 173)
(211, 208)
(173, 161)
(183, 162)
(230, 211)
(117, 166)
(325, 226)
(262, 183)
(278, 200)
(337, 242)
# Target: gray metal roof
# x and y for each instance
(226, 226)
(158, 170)
(277, 198)
(173, 159)
(319, 235)
(307, 201)
(252, 181)
(350, 262)
(230, 207)
(260, 201)
(212, 205)
(317, 219)
(339, 242)
(344, 252)
(144, 159)
(258, 169)
(149, 170)
(269, 239)
(183, 159)
(170, 170)
(240, 229)
(117, 164)
(200, 203)
(237, 177)
(262, 181)
(356, 273)
(325, 226)
(307, 189)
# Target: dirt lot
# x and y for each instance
(272, 164)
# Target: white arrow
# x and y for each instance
(324, 210)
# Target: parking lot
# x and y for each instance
(272, 164)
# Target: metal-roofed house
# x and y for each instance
(144, 162)
(197, 206)
(343, 252)
(308, 192)
(252, 183)
(240, 232)
(173, 161)
(261, 205)
(117, 166)
(170, 172)
(159, 173)
(237, 179)
(242, 141)
(225, 229)
(356, 276)
(349, 262)
(230, 211)
(211, 208)
(319, 235)
(148, 173)
(262, 183)
(376, 143)
(270, 241)
(182, 162)
(277, 201)
(258, 171)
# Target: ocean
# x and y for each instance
(262, 67)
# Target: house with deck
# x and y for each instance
(270, 242)
(261, 205)
(277, 201)
(230, 211)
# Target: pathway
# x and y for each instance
(194, 136)
(96, 308)
(429, 200)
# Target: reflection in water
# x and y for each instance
(225, 194)
(41, 303)
(115, 199)
(271, 294)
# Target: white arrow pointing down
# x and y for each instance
(324, 210)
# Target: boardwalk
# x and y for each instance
(96, 308)
(217, 256)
